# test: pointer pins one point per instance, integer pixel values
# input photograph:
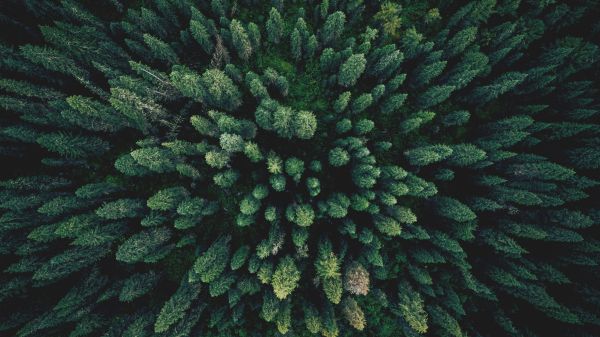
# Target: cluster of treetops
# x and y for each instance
(299, 168)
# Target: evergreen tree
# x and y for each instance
(353, 314)
(160, 50)
(435, 95)
(285, 278)
(212, 262)
(500, 86)
(426, 155)
(333, 27)
(73, 146)
(240, 40)
(167, 199)
(338, 157)
(274, 26)
(460, 41)
(351, 70)
(142, 245)
(202, 36)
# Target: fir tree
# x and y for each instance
(240, 39)
(285, 278)
(274, 26)
(351, 70)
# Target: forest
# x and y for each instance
(272, 168)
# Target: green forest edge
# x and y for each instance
(418, 304)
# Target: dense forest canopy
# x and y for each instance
(299, 168)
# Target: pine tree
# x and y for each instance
(426, 73)
(333, 27)
(390, 19)
(460, 41)
(466, 155)
(137, 285)
(285, 278)
(305, 124)
(333, 289)
(212, 262)
(240, 39)
(435, 95)
(176, 306)
(426, 155)
(219, 90)
(353, 314)
(231, 143)
(202, 36)
(454, 209)
(500, 86)
(338, 157)
(167, 199)
(92, 115)
(119, 209)
(296, 44)
(412, 309)
(217, 159)
(274, 26)
(351, 70)
(392, 103)
(142, 245)
(154, 158)
(160, 50)
(341, 102)
(73, 146)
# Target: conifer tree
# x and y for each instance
(285, 278)
(333, 27)
(240, 39)
(351, 70)
(274, 26)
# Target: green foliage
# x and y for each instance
(154, 158)
(305, 124)
(389, 17)
(411, 309)
(137, 285)
(466, 155)
(176, 306)
(454, 209)
(338, 157)
(212, 262)
(353, 314)
(334, 168)
(435, 95)
(274, 26)
(285, 278)
(73, 146)
(142, 245)
(351, 70)
(214, 87)
(333, 27)
(167, 199)
(460, 41)
(327, 264)
(302, 215)
(426, 155)
(231, 142)
(160, 50)
(240, 40)
(119, 209)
